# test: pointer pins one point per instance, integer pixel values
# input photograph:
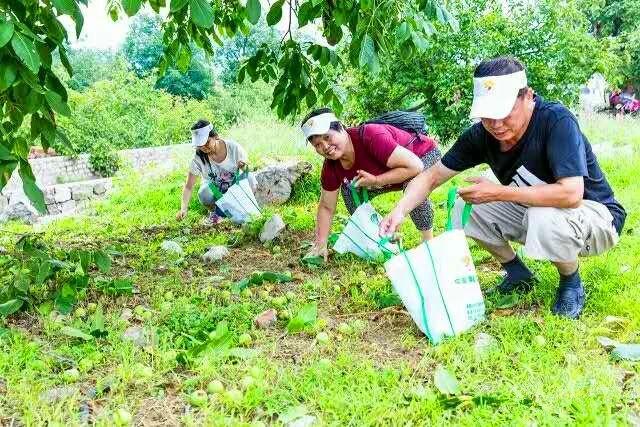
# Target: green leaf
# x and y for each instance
(177, 5)
(445, 382)
(6, 32)
(420, 42)
(102, 260)
(97, 324)
(65, 299)
(30, 188)
(368, 56)
(5, 154)
(254, 9)
(66, 7)
(306, 317)
(131, 7)
(75, 333)
(403, 32)
(275, 13)
(201, 13)
(57, 104)
(44, 272)
(26, 51)
(9, 307)
(507, 301)
(8, 74)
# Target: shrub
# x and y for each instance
(104, 159)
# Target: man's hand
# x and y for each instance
(181, 215)
(366, 180)
(390, 223)
(482, 191)
(318, 249)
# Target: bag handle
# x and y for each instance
(217, 194)
(451, 202)
(238, 176)
(356, 195)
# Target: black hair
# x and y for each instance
(202, 123)
(500, 66)
(336, 126)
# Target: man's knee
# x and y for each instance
(551, 223)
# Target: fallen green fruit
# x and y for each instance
(245, 339)
(323, 338)
(215, 387)
(198, 398)
(122, 417)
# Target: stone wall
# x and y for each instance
(67, 182)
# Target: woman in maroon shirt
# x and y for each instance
(379, 157)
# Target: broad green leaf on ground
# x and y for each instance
(305, 317)
(75, 333)
(368, 56)
(66, 299)
(6, 32)
(403, 32)
(9, 307)
(56, 103)
(259, 277)
(445, 382)
(201, 13)
(116, 286)
(25, 49)
(102, 260)
(131, 7)
(253, 11)
(30, 187)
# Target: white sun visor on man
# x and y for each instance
(200, 136)
(318, 125)
(495, 96)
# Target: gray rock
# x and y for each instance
(19, 211)
(272, 228)
(172, 247)
(58, 393)
(274, 183)
(99, 188)
(305, 421)
(126, 314)
(4, 202)
(62, 194)
(215, 254)
(138, 336)
(484, 344)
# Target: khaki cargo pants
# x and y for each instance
(554, 234)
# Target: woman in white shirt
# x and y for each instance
(216, 161)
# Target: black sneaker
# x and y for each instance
(569, 302)
(507, 286)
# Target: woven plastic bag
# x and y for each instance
(437, 281)
(360, 234)
(238, 203)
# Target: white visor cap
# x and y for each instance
(495, 96)
(200, 136)
(318, 125)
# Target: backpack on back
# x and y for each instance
(408, 121)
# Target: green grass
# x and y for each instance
(543, 370)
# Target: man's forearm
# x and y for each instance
(417, 191)
(545, 195)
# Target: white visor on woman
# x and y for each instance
(495, 96)
(200, 136)
(318, 125)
